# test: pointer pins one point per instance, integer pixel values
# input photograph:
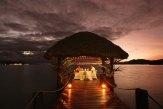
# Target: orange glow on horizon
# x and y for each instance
(144, 44)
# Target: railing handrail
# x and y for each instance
(155, 101)
(32, 99)
(38, 94)
(161, 107)
(54, 91)
(50, 91)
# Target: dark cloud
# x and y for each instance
(16, 26)
(37, 24)
(109, 32)
(3, 30)
(22, 44)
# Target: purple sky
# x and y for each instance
(35, 25)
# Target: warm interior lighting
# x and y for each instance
(69, 85)
(103, 86)
(27, 53)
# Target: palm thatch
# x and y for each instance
(85, 44)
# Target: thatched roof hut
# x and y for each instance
(85, 44)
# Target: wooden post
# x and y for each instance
(58, 71)
(103, 74)
(141, 99)
(42, 100)
(111, 65)
(111, 79)
(34, 101)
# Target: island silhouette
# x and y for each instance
(133, 61)
(143, 61)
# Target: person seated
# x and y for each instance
(94, 71)
(79, 73)
(89, 75)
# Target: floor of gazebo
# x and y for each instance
(89, 94)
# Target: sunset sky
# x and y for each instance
(35, 25)
(143, 44)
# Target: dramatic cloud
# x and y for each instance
(37, 24)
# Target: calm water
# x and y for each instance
(149, 77)
(17, 83)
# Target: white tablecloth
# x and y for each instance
(89, 75)
(81, 75)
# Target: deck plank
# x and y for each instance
(88, 94)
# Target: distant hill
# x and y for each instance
(7, 62)
(34, 59)
(143, 61)
(40, 59)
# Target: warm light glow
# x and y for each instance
(104, 96)
(69, 85)
(17, 64)
(28, 53)
(69, 95)
(143, 44)
(103, 92)
(103, 86)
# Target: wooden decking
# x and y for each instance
(88, 94)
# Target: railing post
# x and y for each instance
(141, 99)
(111, 79)
(34, 102)
(42, 100)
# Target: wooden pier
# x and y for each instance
(85, 94)
(88, 94)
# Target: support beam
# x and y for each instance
(59, 62)
(103, 73)
(111, 65)
(141, 99)
(111, 79)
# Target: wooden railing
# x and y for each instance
(38, 99)
(38, 102)
(141, 96)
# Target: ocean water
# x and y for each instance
(148, 77)
(17, 83)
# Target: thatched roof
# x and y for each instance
(85, 44)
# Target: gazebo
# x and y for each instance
(85, 94)
(86, 44)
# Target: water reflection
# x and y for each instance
(146, 77)
(23, 82)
